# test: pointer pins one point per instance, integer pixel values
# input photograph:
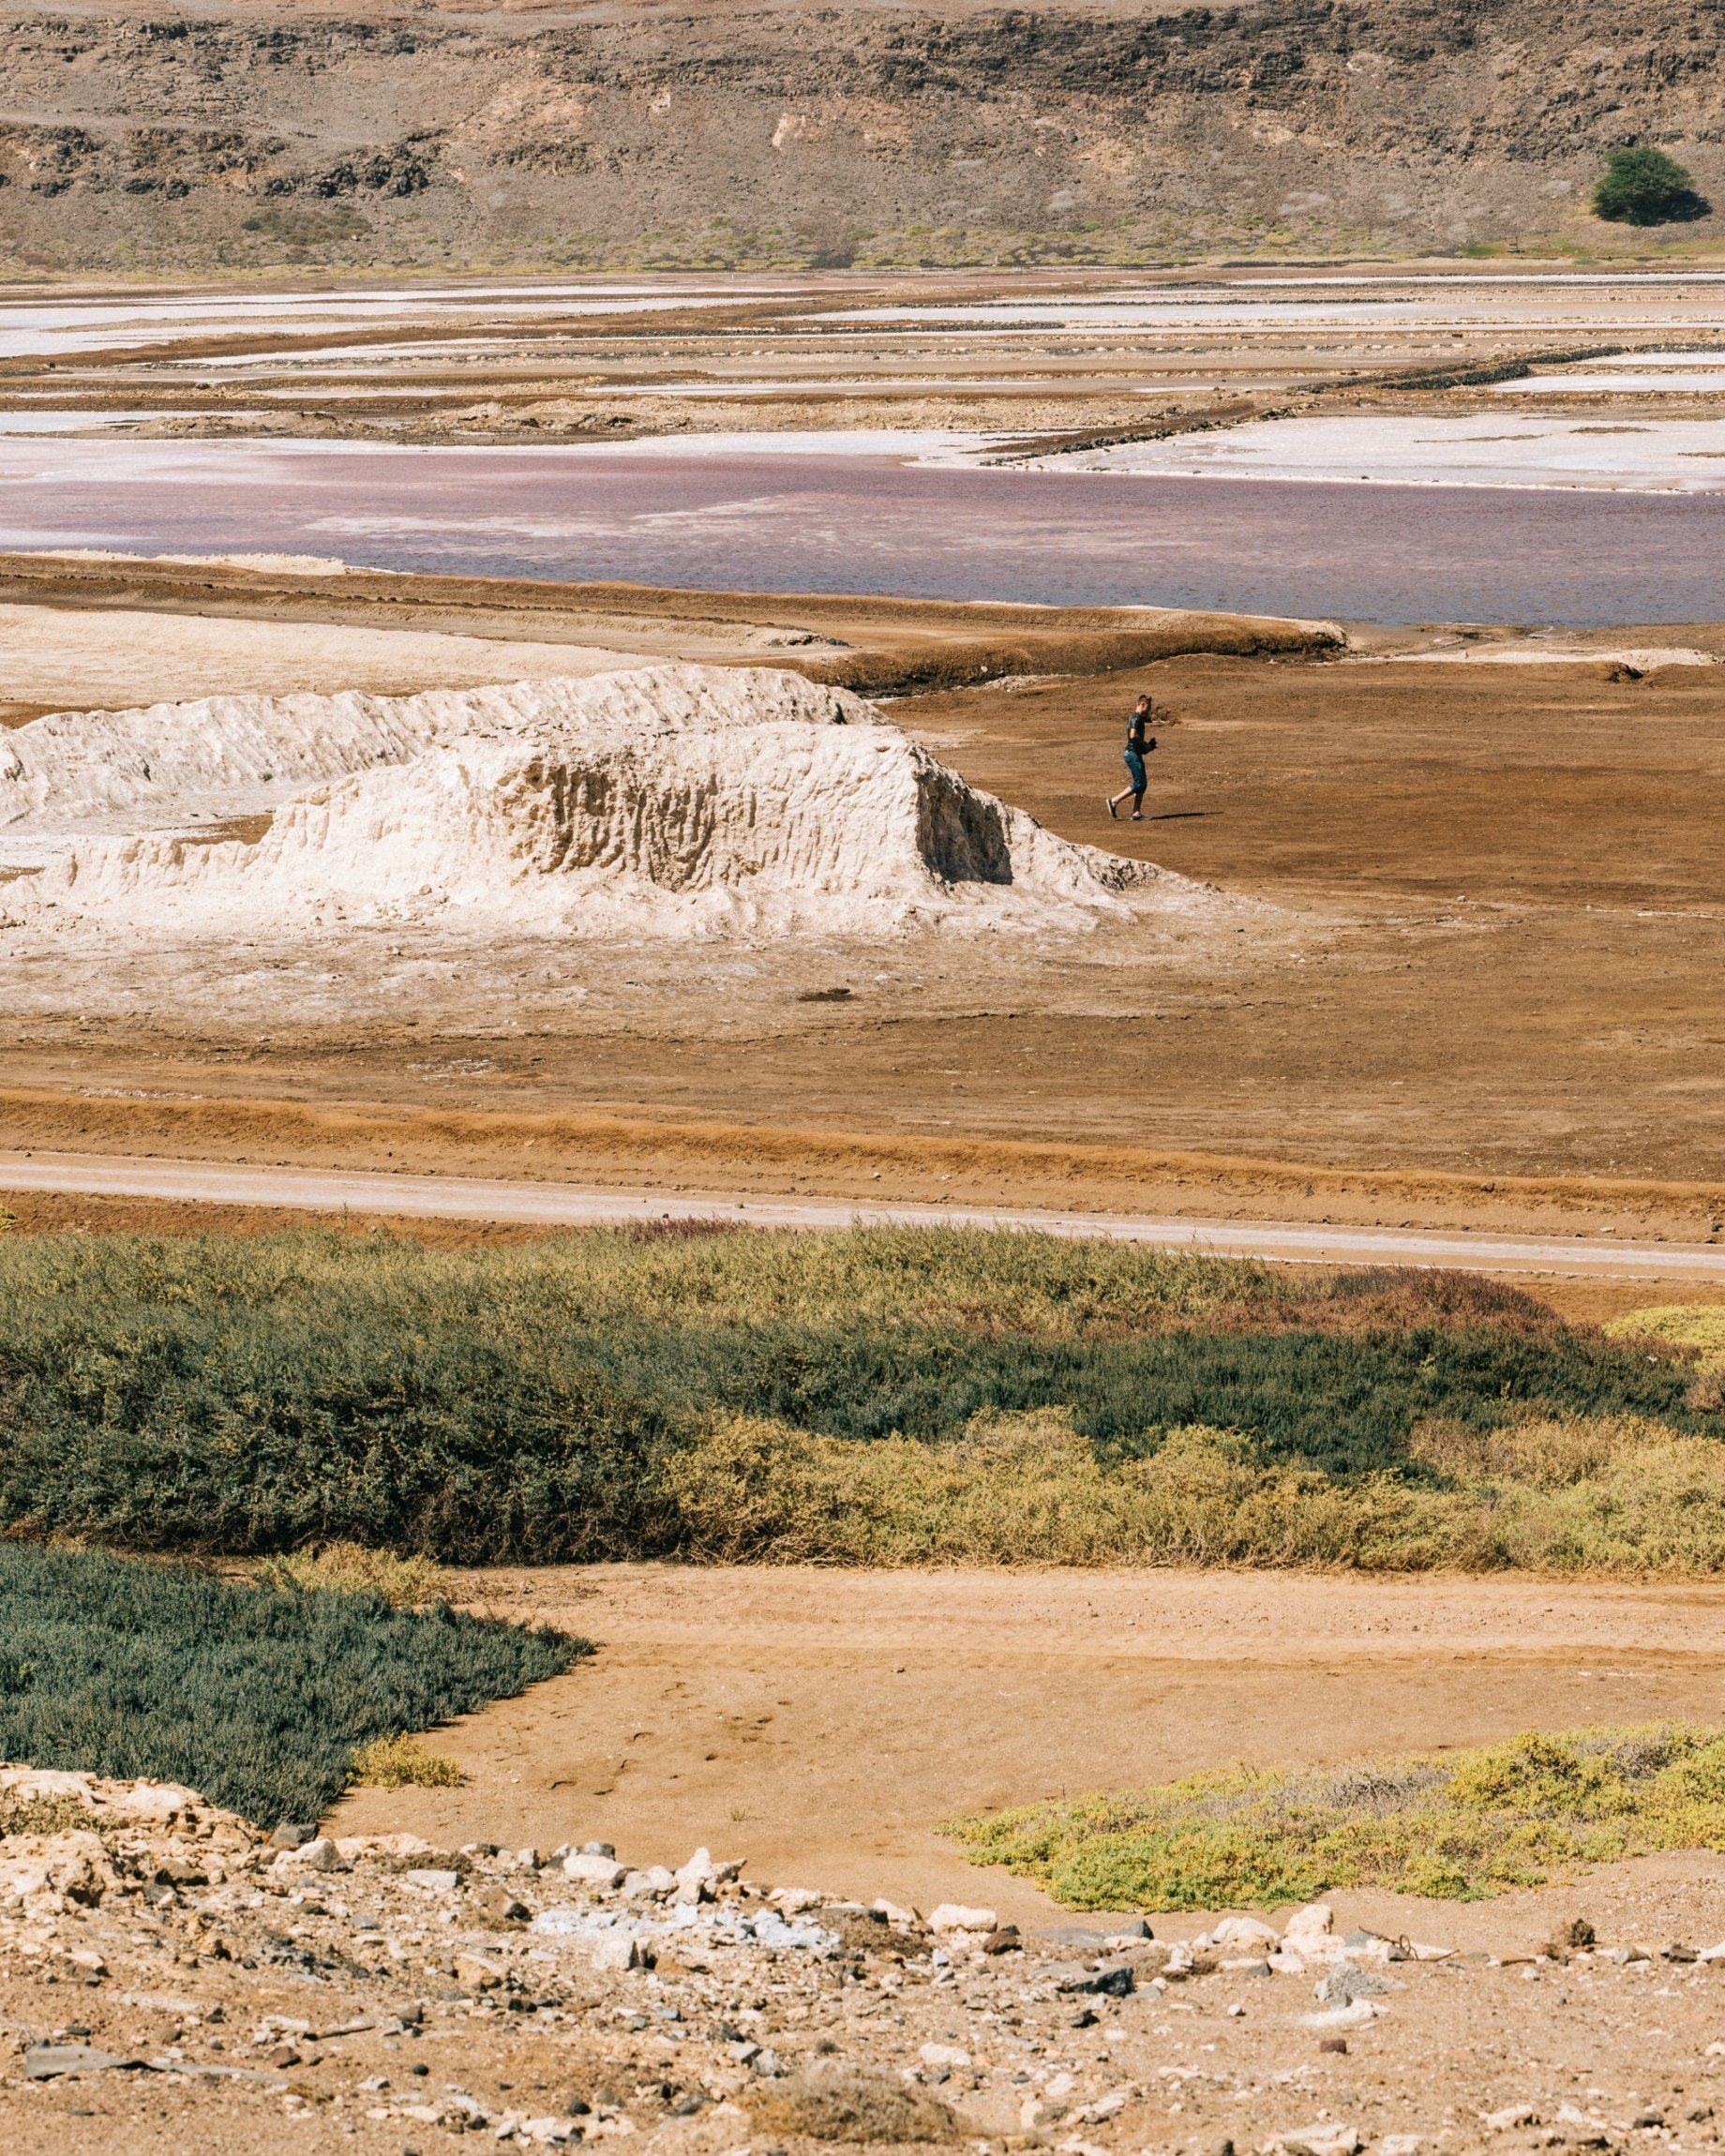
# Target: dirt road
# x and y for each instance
(558, 1205)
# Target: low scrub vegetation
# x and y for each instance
(258, 1696)
(403, 1763)
(350, 1569)
(1614, 1496)
(880, 1395)
(1457, 1824)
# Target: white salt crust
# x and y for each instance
(674, 800)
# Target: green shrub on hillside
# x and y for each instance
(1458, 1824)
(1646, 188)
(256, 1696)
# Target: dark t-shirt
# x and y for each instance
(1136, 727)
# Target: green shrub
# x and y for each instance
(552, 1401)
(1458, 1824)
(328, 1400)
(256, 1696)
(1646, 188)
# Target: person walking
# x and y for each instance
(1139, 743)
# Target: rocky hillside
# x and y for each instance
(828, 136)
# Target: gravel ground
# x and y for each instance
(170, 1980)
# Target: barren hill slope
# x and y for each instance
(188, 141)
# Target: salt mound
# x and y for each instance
(670, 800)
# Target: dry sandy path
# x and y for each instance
(560, 1205)
(824, 1723)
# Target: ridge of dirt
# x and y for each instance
(889, 647)
(603, 1148)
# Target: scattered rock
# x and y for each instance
(48, 2061)
(1509, 2118)
(1325, 2139)
(1243, 1931)
(321, 1855)
(954, 1916)
(593, 1870)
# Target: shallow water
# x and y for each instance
(863, 523)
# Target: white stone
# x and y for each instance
(1328, 2138)
(1243, 1931)
(1317, 1920)
(1509, 2118)
(321, 1855)
(794, 1900)
(943, 2055)
(893, 1912)
(615, 1951)
(1401, 2144)
(156, 1799)
(955, 1916)
(73, 1865)
(603, 1872)
(27, 1782)
(430, 1880)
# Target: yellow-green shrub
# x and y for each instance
(1460, 1824)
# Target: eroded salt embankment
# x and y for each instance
(673, 799)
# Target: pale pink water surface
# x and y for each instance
(872, 523)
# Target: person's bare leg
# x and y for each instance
(1137, 814)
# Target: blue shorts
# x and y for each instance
(1135, 765)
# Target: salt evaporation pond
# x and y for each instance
(870, 523)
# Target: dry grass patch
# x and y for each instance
(403, 1763)
(1612, 1495)
(350, 1569)
(1697, 1325)
(850, 2103)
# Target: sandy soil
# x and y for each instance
(1495, 955)
(828, 1722)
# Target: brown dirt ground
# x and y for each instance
(826, 1723)
(1502, 886)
